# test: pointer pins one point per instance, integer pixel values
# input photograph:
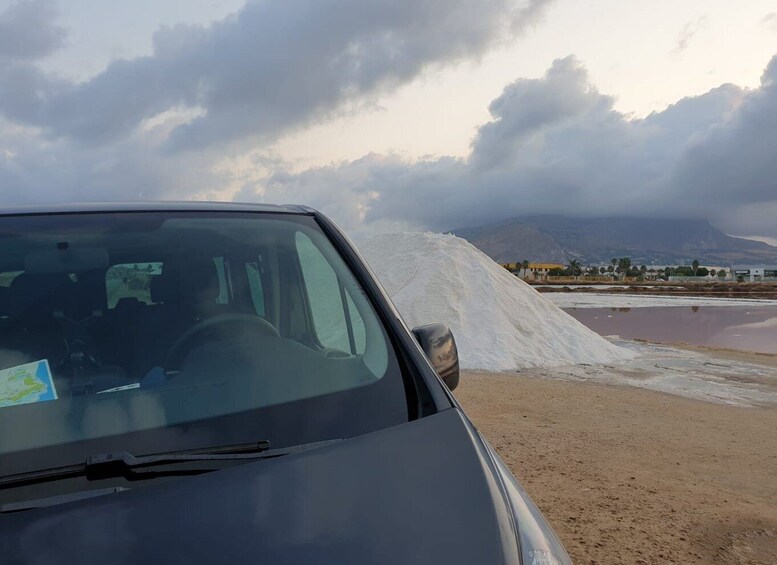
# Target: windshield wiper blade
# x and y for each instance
(216, 453)
(122, 463)
(129, 461)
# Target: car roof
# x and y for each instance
(153, 206)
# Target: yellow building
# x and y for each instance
(533, 271)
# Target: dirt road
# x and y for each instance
(627, 475)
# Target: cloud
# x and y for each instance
(688, 32)
(770, 20)
(556, 145)
(37, 171)
(167, 125)
(161, 126)
(28, 30)
(272, 66)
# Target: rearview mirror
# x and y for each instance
(437, 342)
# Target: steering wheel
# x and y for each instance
(219, 324)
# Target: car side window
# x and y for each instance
(225, 287)
(253, 273)
(337, 323)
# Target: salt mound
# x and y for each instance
(500, 322)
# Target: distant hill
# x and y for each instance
(646, 241)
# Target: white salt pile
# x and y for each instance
(500, 323)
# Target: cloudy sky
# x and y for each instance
(397, 114)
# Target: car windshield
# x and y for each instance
(147, 332)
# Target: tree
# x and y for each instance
(610, 269)
(722, 274)
(602, 270)
(702, 272)
(624, 265)
(525, 265)
(695, 267)
(574, 268)
(713, 273)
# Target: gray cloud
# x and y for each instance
(34, 171)
(688, 32)
(553, 145)
(556, 145)
(28, 30)
(272, 66)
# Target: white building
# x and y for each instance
(755, 273)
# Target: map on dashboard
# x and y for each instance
(26, 383)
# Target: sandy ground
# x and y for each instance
(630, 475)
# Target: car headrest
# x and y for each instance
(188, 282)
(39, 292)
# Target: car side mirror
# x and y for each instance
(437, 342)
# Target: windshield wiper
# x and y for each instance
(9, 507)
(195, 461)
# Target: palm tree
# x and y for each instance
(525, 265)
(695, 266)
(624, 264)
(602, 270)
(574, 267)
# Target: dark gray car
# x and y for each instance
(228, 383)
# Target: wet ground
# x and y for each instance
(709, 375)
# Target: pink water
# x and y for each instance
(733, 327)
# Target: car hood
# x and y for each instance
(421, 492)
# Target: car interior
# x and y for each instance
(264, 307)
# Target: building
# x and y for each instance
(534, 271)
(755, 273)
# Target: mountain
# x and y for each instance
(557, 239)
(514, 241)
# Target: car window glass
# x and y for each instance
(224, 282)
(357, 324)
(132, 323)
(130, 280)
(255, 286)
(336, 320)
(7, 278)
